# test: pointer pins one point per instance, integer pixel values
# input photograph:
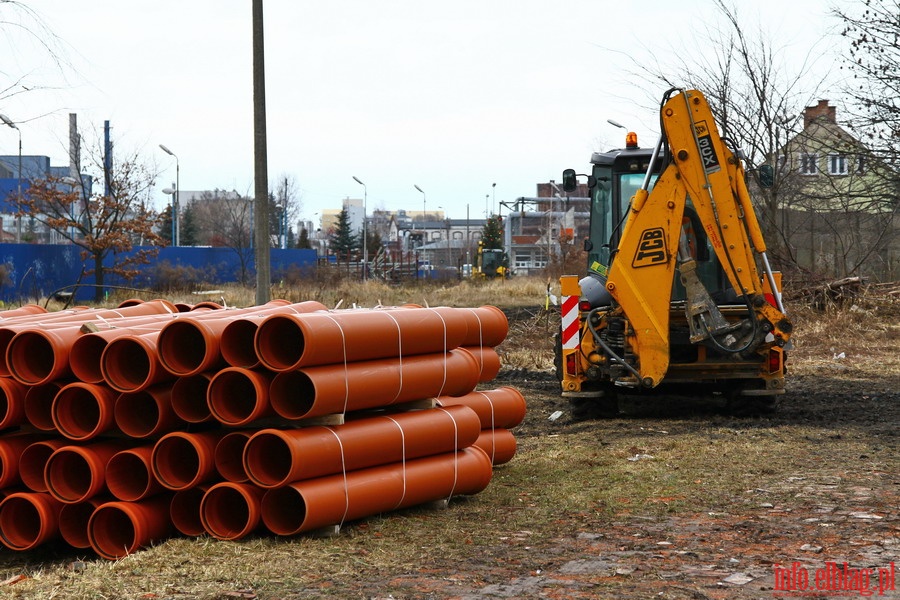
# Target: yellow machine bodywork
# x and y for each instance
(739, 342)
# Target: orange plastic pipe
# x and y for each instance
(315, 503)
(208, 304)
(189, 346)
(499, 444)
(287, 342)
(129, 474)
(230, 511)
(12, 402)
(236, 343)
(274, 457)
(486, 326)
(85, 360)
(74, 519)
(34, 459)
(82, 411)
(24, 310)
(131, 363)
(330, 389)
(192, 344)
(76, 473)
(9, 329)
(87, 349)
(503, 407)
(39, 404)
(130, 302)
(116, 529)
(151, 322)
(182, 460)
(36, 356)
(147, 413)
(28, 519)
(189, 398)
(11, 448)
(488, 362)
(43, 352)
(238, 396)
(184, 510)
(229, 455)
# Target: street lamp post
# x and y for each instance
(176, 226)
(9, 123)
(493, 198)
(424, 210)
(365, 234)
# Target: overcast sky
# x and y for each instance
(450, 96)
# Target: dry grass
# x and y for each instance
(860, 330)
(515, 292)
(568, 477)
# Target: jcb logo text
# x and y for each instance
(651, 249)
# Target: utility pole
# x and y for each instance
(260, 161)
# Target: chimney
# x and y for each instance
(811, 113)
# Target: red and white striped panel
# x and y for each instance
(570, 323)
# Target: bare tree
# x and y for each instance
(104, 224)
(871, 30)
(225, 219)
(757, 90)
(22, 26)
(286, 207)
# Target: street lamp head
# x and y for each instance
(169, 191)
(8, 121)
(167, 151)
(616, 124)
(356, 179)
(418, 188)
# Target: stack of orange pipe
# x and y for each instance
(121, 427)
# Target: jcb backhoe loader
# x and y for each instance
(674, 301)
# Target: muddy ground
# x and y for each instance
(819, 504)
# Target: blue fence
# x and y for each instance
(29, 271)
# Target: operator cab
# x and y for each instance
(615, 177)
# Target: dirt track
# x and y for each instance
(831, 506)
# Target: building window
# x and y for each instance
(781, 162)
(808, 164)
(837, 164)
(523, 260)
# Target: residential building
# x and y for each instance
(838, 202)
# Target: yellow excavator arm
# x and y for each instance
(653, 247)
